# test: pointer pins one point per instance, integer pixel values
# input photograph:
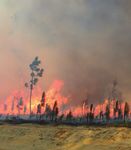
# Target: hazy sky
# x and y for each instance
(86, 43)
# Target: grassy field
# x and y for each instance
(49, 137)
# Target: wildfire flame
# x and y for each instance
(11, 104)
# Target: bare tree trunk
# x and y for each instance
(31, 88)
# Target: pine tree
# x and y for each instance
(39, 109)
(48, 111)
(69, 116)
(20, 105)
(55, 111)
(107, 113)
(36, 73)
(25, 108)
(126, 111)
(43, 99)
(12, 107)
(61, 117)
(116, 108)
(91, 114)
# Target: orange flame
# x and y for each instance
(10, 105)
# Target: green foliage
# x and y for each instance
(36, 73)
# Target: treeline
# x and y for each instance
(53, 114)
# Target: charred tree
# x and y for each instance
(90, 114)
(43, 98)
(55, 112)
(126, 111)
(39, 111)
(69, 116)
(61, 118)
(107, 113)
(48, 112)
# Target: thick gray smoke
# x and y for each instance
(86, 43)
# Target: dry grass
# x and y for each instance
(36, 137)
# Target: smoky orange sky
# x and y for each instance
(85, 43)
